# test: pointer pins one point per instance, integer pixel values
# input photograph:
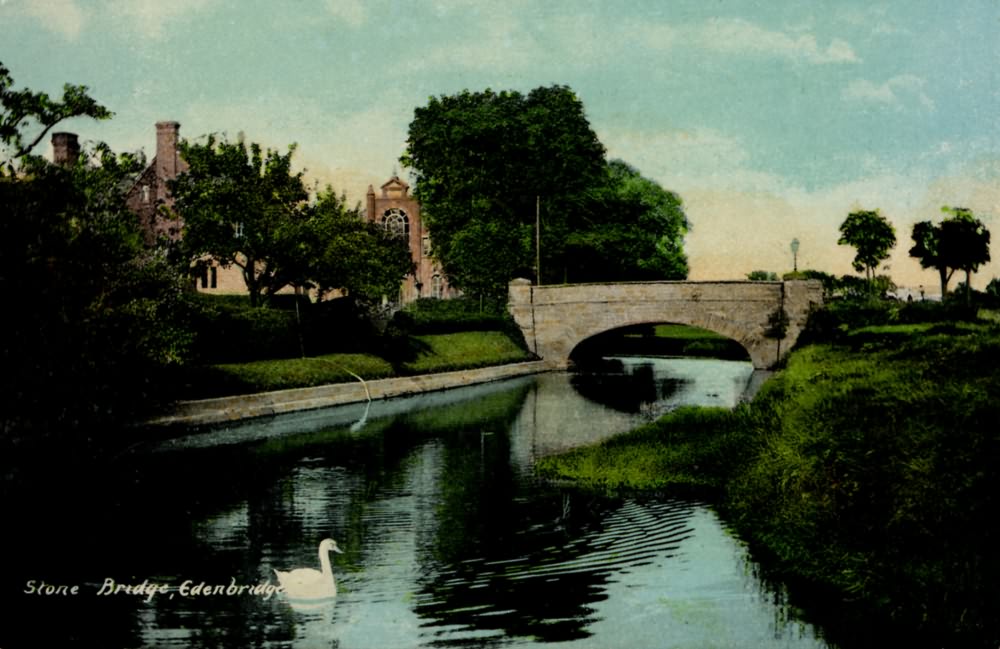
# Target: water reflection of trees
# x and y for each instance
(213, 514)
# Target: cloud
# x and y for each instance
(150, 18)
(65, 17)
(895, 92)
(740, 37)
(351, 12)
(873, 18)
(699, 158)
(498, 44)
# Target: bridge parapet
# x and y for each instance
(555, 319)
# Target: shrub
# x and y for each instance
(231, 331)
(433, 316)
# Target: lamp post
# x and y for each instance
(795, 255)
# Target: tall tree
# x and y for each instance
(483, 161)
(959, 242)
(872, 236)
(927, 248)
(630, 228)
(244, 206)
(964, 243)
(25, 110)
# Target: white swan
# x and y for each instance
(308, 583)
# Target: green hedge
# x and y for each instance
(433, 316)
(229, 330)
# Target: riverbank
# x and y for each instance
(867, 470)
(232, 408)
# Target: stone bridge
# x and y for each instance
(555, 319)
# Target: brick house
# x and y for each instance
(394, 209)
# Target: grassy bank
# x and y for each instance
(867, 469)
(462, 350)
(424, 354)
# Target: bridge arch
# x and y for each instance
(555, 319)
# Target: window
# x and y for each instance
(437, 286)
(427, 246)
(145, 193)
(396, 222)
(238, 230)
(209, 277)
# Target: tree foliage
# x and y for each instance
(244, 206)
(347, 253)
(489, 164)
(964, 243)
(959, 242)
(95, 316)
(630, 228)
(926, 247)
(762, 276)
(25, 110)
(483, 161)
(872, 236)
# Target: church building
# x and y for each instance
(398, 212)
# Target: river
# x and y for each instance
(448, 537)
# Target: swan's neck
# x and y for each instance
(324, 562)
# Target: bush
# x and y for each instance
(231, 331)
(342, 325)
(433, 316)
(837, 316)
(428, 316)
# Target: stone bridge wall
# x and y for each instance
(555, 319)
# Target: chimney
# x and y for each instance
(167, 163)
(65, 149)
(370, 203)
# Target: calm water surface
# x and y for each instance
(449, 540)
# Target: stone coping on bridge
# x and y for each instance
(228, 409)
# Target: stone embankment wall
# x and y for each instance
(225, 409)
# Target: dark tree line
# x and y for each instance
(92, 313)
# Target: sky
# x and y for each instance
(772, 120)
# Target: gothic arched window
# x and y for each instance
(396, 222)
(437, 286)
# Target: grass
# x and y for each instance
(265, 376)
(686, 449)
(434, 353)
(464, 350)
(685, 332)
(868, 469)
